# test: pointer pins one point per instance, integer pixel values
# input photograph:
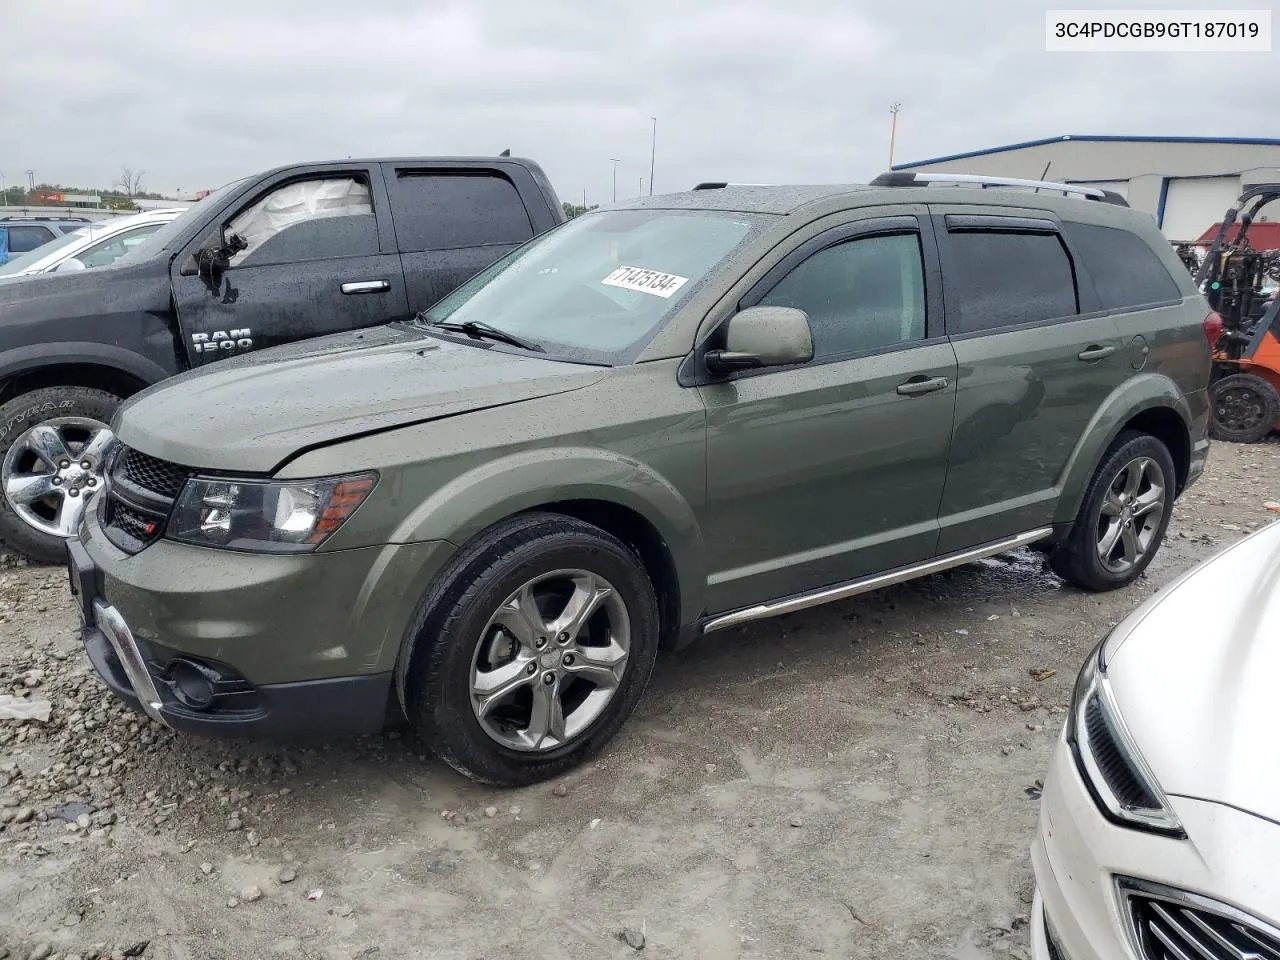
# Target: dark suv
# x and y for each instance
(676, 416)
(23, 234)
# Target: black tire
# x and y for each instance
(1245, 408)
(434, 679)
(17, 417)
(1076, 559)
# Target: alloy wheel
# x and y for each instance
(53, 470)
(1132, 509)
(549, 660)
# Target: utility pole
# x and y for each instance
(4, 191)
(615, 162)
(893, 129)
(641, 193)
(31, 179)
(653, 150)
(584, 199)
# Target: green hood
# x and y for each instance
(255, 412)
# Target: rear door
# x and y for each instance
(451, 223)
(1036, 356)
(833, 469)
(320, 258)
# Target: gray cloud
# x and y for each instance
(788, 90)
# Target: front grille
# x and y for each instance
(1113, 766)
(140, 497)
(158, 476)
(1170, 924)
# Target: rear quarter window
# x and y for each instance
(1124, 269)
(443, 210)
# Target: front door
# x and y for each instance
(319, 258)
(831, 470)
(1037, 359)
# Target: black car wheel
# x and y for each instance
(531, 651)
(1123, 518)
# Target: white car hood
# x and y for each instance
(1196, 676)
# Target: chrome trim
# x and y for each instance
(866, 584)
(121, 639)
(1127, 887)
(1010, 182)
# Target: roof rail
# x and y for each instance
(721, 184)
(41, 216)
(910, 178)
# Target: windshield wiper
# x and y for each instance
(473, 328)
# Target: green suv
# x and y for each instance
(658, 420)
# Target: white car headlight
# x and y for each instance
(1108, 759)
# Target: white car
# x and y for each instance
(1160, 820)
(93, 245)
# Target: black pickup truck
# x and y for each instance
(296, 252)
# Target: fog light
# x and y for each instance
(192, 684)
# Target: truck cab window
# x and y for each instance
(307, 220)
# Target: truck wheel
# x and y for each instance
(1245, 408)
(531, 651)
(1123, 518)
(51, 446)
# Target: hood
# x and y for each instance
(1195, 672)
(253, 413)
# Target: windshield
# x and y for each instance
(161, 238)
(32, 257)
(598, 287)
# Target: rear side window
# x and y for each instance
(444, 210)
(1126, 271)
(999, 279)
(28, 237)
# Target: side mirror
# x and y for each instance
(763, 337)
(68, 265)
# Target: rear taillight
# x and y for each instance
(1212, 327)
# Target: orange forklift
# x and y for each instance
(1242, 286)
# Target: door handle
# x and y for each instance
(916, 387)
(1094, 352)
(367, 286)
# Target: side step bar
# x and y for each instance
(852, 588)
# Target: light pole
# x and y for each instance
(653, 149)
(4, 191)
(641, 194)
(893, 129)
(615, 162)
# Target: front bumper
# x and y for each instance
(1229, 856)
(238, 645)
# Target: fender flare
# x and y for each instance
(533, 478)
(39, 356)
(1136, 396)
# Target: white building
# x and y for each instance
(1186, 183)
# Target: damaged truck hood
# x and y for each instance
(253, 413)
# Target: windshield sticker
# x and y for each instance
(645, 281)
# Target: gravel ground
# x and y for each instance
(855, 781)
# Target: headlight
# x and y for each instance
(266, 517)
(1118, 777)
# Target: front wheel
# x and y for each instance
(51, 445)
(532, 650)
(1123, 518)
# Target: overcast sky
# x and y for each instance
(779, 91)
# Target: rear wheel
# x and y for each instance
(1245, 408)
(532, 651)
(51, 446)
(1123, 518)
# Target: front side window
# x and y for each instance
(1001, 279)
(597, 287)
(860, 295)
(306, 220)
(113, 248)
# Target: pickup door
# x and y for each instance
(321, 258)
(453, 220)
